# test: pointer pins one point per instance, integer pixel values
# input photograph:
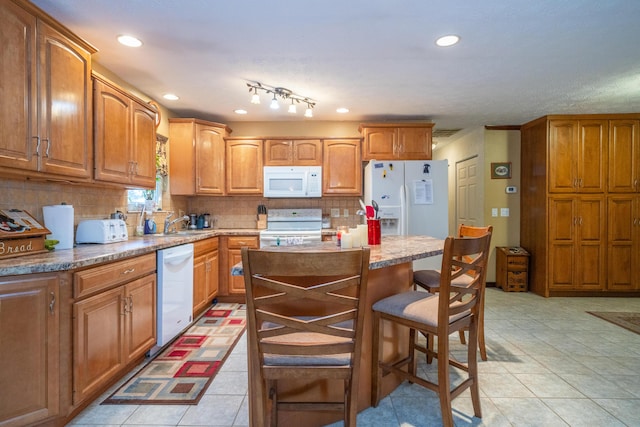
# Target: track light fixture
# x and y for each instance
(283, 94)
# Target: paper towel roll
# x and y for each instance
(59, 220)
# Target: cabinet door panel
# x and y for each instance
(415, 143)
(563, 143)
(380, 144)
(244, 161)
(591, 266)
(624, 153)
(591, 219)
(623, 242)
(98, 341)
(29, 349)
(18, 118)
(342, 171)
(199, 283)
(143, 146)
(592, 155)
(210, 160)
(562, 219)
(236, 283)
(561, 266)
(213, 274)
(65, 110)
(308, 153)
(278, 153)
(112, 134)
(141, 316)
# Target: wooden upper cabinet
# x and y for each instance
(45, 120)
(125, 137)
(394, 141)
(244, 162)
(342, 167)
(197, 157)
(18, 110)
(624, 156)
(577, 156)
(303, 152)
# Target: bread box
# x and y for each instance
(20, 234)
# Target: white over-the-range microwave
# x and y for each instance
(292, 181)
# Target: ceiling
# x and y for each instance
(517, 59)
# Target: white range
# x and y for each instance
(287, 227)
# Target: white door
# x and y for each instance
(468, 204)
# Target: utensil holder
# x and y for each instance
(373, 231)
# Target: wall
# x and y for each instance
(489, 146)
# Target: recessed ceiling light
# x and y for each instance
(240, 111)
(342, 110)
(129, 41)
(449, 40)
(170, 97)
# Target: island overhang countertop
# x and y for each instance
(393, 250)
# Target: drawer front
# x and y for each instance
(237, 242)
(517, 277)
(203, 246)
(94, 280)
(517, 263)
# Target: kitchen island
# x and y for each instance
(390, 272)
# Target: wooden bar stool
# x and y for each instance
(452, 309)
(305, 322)
(430, 280)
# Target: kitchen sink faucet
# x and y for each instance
(168, 223)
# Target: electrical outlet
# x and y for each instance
(345, 213)
(335, 212)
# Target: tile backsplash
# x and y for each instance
(92, 202)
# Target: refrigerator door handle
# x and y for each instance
(404, 212)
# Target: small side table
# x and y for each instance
(512, 269)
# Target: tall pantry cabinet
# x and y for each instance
(580, 218)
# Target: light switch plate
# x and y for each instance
(494, 212)
(335, 212)
(511, 189)
(345, 213)
(504, 211)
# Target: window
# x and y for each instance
(150, 199)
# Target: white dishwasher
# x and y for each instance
(175, 291)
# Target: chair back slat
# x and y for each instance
(462, 256)
(278, 283)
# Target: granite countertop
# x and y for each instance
(393, 250)
(84, 255)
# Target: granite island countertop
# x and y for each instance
(84, 255)
(393, 250)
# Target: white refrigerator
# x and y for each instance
(413, 199)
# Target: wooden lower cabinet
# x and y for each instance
(205, 274)
(115, 325)
(29, 348)
(623, 242)
(234, 285)
(577, 243)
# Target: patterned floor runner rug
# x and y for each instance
(182, 372)
(627, 320)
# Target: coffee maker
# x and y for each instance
(193, 221)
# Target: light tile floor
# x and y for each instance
(550, 364)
